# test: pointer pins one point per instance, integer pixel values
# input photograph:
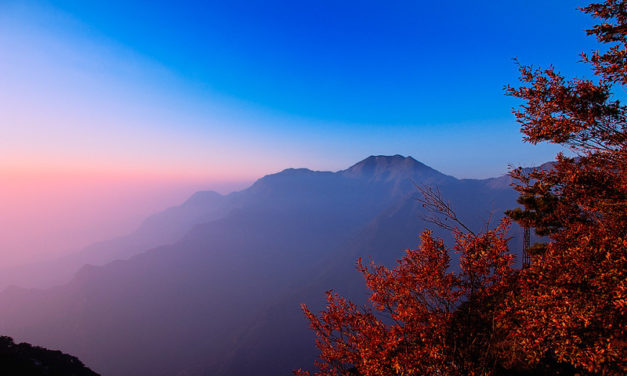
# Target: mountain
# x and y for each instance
(162, 228)
(223, 299)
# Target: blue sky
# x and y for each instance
(319, 84)
(112, 110)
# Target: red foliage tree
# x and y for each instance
(565, 312)
(571, 300)
(425, 319)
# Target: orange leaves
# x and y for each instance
(418, 284)
(485, 259)
(571, 300)
(567, 304)
(613, 30)
(580, 113)
(565, 313)
(577, 113)
(419, 308)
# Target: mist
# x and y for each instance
(43, 217)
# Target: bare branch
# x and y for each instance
(439, 211)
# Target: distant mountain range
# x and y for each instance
(213, 286)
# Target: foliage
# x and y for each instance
(571, 301)
(425, 318)
(565, 313)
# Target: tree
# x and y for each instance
(572, 299)
(425, 318)
(565, 312)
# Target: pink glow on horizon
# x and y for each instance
(46, 215)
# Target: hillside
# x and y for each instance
(25, 359)
(224, 298)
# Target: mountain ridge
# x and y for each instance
(171, 223)
(223, 298)
(382, 164)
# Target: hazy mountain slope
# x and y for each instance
(384, 239)
(223, 300)
(162, 228)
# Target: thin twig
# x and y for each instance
(439, 211)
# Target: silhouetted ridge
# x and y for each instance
(289, 179)
(295, 171)
(24, 359)
(289, 173)
(202, 197)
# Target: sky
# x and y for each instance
(112, 110)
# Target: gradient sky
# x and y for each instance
(103, 103)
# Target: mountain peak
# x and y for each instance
(394, 168)
(386, 159)
(384, 164)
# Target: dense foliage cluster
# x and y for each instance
(565, 312)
